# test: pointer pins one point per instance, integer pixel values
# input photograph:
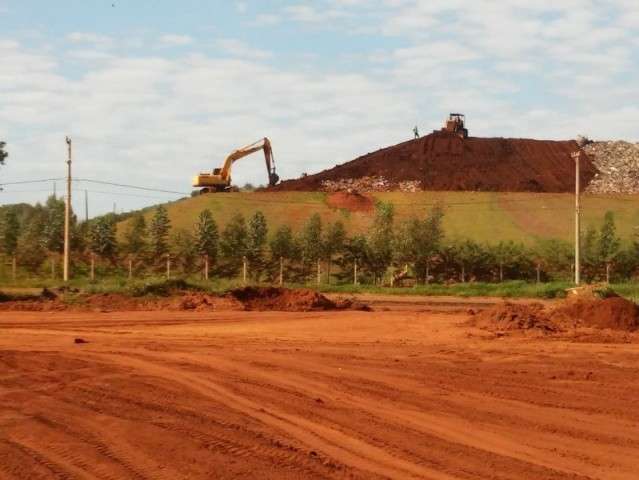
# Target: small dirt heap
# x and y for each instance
(615, 313)
(282, 299)
(511, 316)
(618, 165)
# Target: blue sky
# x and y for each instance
(154, 91)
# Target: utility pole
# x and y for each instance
(577, 157)
(86, 206)
(67, 213)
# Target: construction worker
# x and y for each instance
(416, 132)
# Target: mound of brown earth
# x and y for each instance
(355, 202)
(282, 299)
(441, 161)
(615, 313)
(511, 316)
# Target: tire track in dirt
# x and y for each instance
(333, 443)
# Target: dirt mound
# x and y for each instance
(441, 161)
(282, 299)
(510, 317)
(615, 313)
(355, 202)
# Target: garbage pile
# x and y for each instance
(618, 165)
(363, 184)
(369, 184)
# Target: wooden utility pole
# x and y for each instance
(577, 157)
(86, 206)
(67, 214)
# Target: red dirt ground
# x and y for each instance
(355, 202)
(446, 162)
(281, 395)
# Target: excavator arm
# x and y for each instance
(220, 178)
(234, 156)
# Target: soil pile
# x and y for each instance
(510, 316)
(355, 202)
(615, 313)
(442, 161)
(282, 299)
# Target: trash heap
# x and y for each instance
(618, 165)
(369, 184)
(363, 184)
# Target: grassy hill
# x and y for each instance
(484, 216)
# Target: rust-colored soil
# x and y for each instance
(355, 202)
(510, 316)
(270, 395)
(615, 313)
(442, 161)
(283, 299)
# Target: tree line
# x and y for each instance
(415, 250)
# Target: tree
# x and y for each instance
(136, 237)
(282, 247)
(381, 240)
(590, 258)
(311, 242)
(159, 233)
(418, 241)
(3, 153)
(53, 231)
(512, 259)
(102, 240)
(207, 236)
(356, 253)
(608, 242)
(30, 251)
(256, 242)
(184, 247)
(233, 242)
(333, 244)
(10, 232)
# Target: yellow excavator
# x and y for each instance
(219, 180)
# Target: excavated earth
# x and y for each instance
(233, 394)
(442, 161)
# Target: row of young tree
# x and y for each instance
(415, 249)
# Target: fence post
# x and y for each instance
(130, 269)
(355, 272)
(168, 267)
(244, 269)
(319, 272)
(281, 271)
(14, 268)
(607, 273)
(92, 266)
(538, 273)
(52, 269)
(206, 267)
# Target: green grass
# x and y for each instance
(158, 286)
(484, 216)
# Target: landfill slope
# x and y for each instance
(441, 161)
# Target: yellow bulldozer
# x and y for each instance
(456, 123)
(219, 180)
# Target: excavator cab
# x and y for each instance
(456, 123)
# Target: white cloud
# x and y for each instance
(238, 48)
(90, 38)
(174, 40)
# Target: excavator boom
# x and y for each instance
(220, 178)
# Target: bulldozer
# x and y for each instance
(456, 124)
(219, 180)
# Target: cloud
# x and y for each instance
(174, 40)
(90, 38)
(238, 48)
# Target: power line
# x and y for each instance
(136, 187)
(22, 182)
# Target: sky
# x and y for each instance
(152, 92)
